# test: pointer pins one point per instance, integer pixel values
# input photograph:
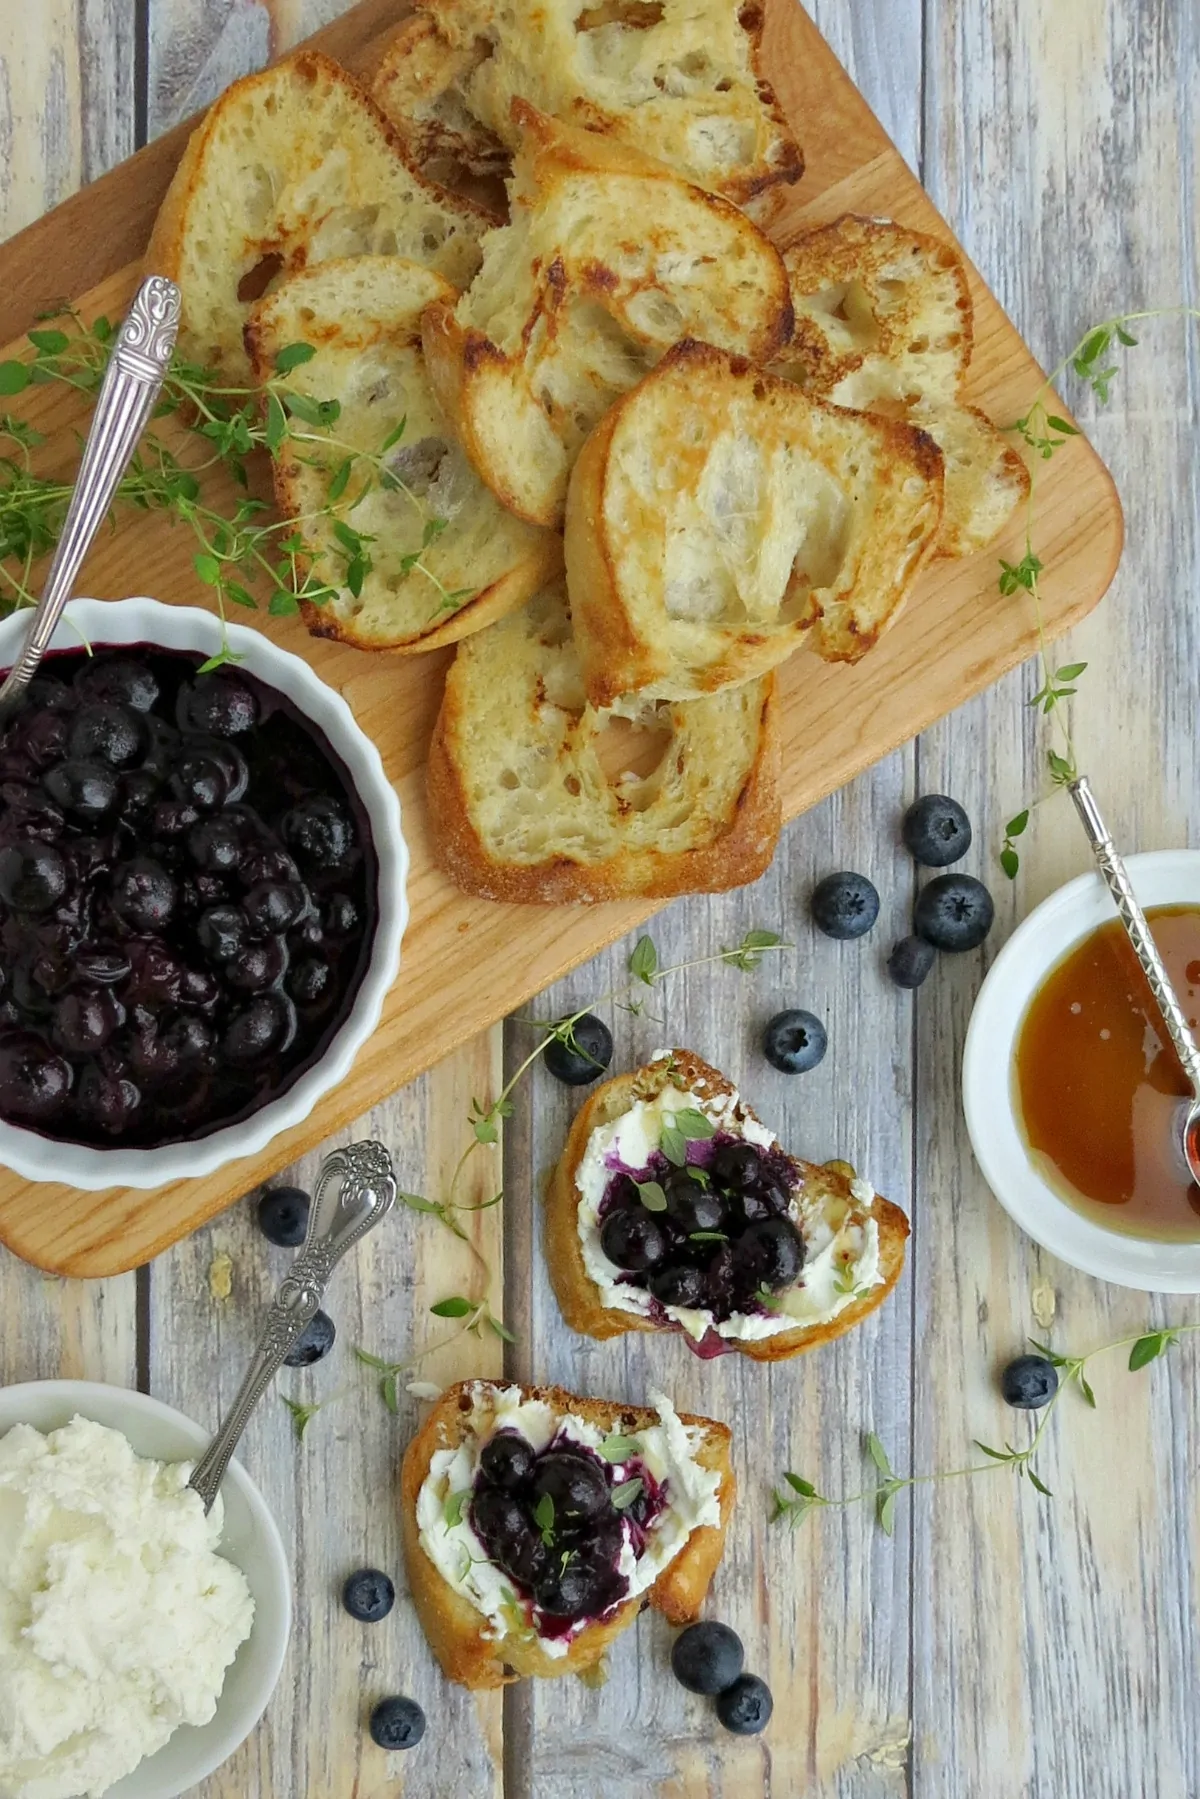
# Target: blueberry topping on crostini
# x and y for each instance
(1029, 1383)
(314, 1344)
(633, 1239)
(283, 1216)
(677, 1284)
(936, 831)
(769, 1254)
(583, 1056)
(736, 1166)
(368, 1595)
(844, 905)
(911, 961)
(692, 1204)
(954, 913)
(745, 1706)
(575, 1484)
(794, 1042)
(507, 1460)
(707, 1657)
(397, 1723)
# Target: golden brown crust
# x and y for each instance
(577, 1294)
(453, 1627)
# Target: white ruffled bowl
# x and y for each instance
(103, 623)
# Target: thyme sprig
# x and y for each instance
(798, 1497)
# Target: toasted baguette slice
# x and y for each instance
(826, 1195)
(420, 85)
(718, 518)
(679, 79)
(609, 258)
(535, 796)
(363, 317)
(884, 323)
(459, 1635)
(288, 168)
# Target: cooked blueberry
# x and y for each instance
(1029, 1383)
(575, 1483)
(707, 1657)
(275, 906)
(143, 894)
(633, 1239)
(189, 1042)
(199, 780)
(217, 844)
(794, 1042)
(500, 1522)
(33, 876)
(257, 965)
(88, 789)
(120, 681)
(844, 905)
(106, 967)
(368, 1595)
(769, 1254)
(693, 1206)
(198, 989)
(507, 1460)
(736, 1166)
(679, 1285)
(265, 1028)
(220, 703)
(310, 981)
(954, 913)
(936, 831)
(173, 818)
(314, 1343)
(266, 862)
(34, 1081)
(283, 1216)
(85, 1019)
(138, 793)
(152, 1059)
(221, 932)
(30, 813)
(106, 733)
(582, 1058)
(397, 1724)
(911, 961)
(340, 916)
(318, 832)
(155, 974)
(571, 1588)
(107, 1100)
(745, 1707)
(720, 1279)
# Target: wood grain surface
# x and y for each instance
(1000, 1646)
(468, 961)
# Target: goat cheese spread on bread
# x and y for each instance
(118, 1618)
(841, 1241)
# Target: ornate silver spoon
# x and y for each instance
(355, 1189)
(131, 386)
(1157, 979)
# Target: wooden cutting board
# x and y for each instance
(467, 963)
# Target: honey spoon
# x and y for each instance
(354, 1190)
(1116, 875)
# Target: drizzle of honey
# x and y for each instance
(1099, 1087)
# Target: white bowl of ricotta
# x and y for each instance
(180, 1594)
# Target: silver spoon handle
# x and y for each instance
(1134, 919)
(131, 386)
(355, 1189)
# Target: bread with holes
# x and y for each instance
(531, 792)
(609, 259)
(290, 167)
(678, 79)
(884, 323)
(480, 1650)
(853, 1238)
(475, 561)
(719, 518)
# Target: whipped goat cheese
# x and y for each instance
(841, 1259)
(118, 1618)
(666, 1449)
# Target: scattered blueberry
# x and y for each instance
(936, 831)
(707, 1657)
(794, 1042)
(283, 1216)
(954, 912)
(746, 1706)
(586, 1057)
(844, 905)
(397, 1724)
(910, 961)
(1029, 1383)
(368, 1595)
(314, 1344)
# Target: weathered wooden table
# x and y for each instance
(1000, 1644)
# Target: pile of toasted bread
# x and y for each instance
(636, 456)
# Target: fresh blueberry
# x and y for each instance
(314, 1344)
(585, 1057)
(368, 1595)
(507, 1460)
(283, 1216)
(911, 961)
(633, 1239)
(397, 1724)
(844, 905)
(954, 912)
(707, 1657)
(746, 1706)
(1029, 1383)
(936, 831)
(794, 1042)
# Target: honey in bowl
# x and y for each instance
(1099, 1087)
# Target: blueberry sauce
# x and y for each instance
(188, 896)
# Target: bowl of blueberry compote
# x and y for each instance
(202, 896)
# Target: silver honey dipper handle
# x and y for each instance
(355, 1189)
(132, 382)
(1134, 919)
